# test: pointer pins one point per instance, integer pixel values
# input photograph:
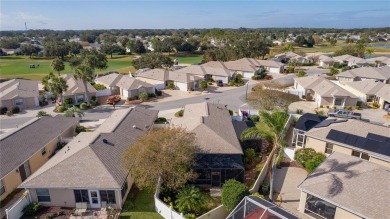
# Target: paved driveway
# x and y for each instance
(286, 182)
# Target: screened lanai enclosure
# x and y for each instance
(214, 169)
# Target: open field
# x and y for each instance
(18, 66)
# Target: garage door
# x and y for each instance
(248, 74)
(224, 79)
(181, 86)
(274, 70)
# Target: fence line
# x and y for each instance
(163, 209)
(16, 210)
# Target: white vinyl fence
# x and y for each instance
(163, 209)
(16, 210)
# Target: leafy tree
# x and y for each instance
(288, 47)
(301, 73)
(232, 193)
(75, 48)
(347, 50)
(152, 60)
(136, 46)
(110, 48)
(303, 155)
(90, 38)
(56, 48)
(12, 43)
(360, 48)
(203, 85)
(190, 199)
(57, 65)
(300, 40)
(58, 86)
(167, 153)
(333, 71)
(73, 112)
(84, 73)
(310, 41)
(333, 42)
(29, 49)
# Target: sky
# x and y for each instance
(105, 14)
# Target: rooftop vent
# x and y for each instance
(134, 126)
(105, 141)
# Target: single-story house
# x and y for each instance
(19, 92)
(247, 67)
(157, 77)
(76, 89)
(207, 72)
(271, 66)
(324, 92)
(89, 168)
(252, 207)
(288, 56)
(26, 149)
(366, 90)
(379, 61)
(350, 60)
(359, 74)
(220, 156)
(125, 85)
(305, 122)
(383, 97)
(184, 81)
(346, 187)
(352, 137)
(325, 61)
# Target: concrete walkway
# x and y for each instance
(286, 182)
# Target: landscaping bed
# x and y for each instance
(51, 212)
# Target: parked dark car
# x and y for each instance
(219, 83)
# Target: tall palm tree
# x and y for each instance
(58, 86)
(190, 199)
(271, 128)
(84, 73)
(57, 65)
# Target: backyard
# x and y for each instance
(139, 205)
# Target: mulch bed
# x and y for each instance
(47, 212)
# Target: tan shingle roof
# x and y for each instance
(384, 92)
(183, 77)
(17, 147)
(349, 58)
(351, 183)
(18, 88)
(88, 162)
(382, 73)
(123, 81)
(244, 64)
(156, 74)
(109, 80)
(213, 127)
(383, 59)
(204, 70)
(310, 81)
(76, 86)
(370, 87)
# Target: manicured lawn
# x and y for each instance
(18, 67)
(188, 59)
(143, 206)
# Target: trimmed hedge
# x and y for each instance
(15, 109)
(3, 110)
(232, 193)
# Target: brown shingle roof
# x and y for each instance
(91, 163)
(354, 184)
(18, 88)
(19, 146)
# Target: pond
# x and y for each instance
(384, 45)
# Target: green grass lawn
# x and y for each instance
(143, 206)
(188, 59)
(18, 66)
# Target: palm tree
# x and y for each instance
(84, 73)
(370, 51)
(58, 86)
(57, 65)
(72, 111)
(190, 199)
(271, 128)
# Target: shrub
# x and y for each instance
(60, 109)
(151, 95)
(321, 106)
(93, 102)
(68, 101)
(375, 105)
(94, 98)
(32, 208)
(301, 73)
(130, 98)
(99, 86)
(179, 113)
(171, 85)
(143, 96)
(232, 193)
(357, 107)
(190, 200)
(190, 216)
(259, 167)
(249, 157)
(80, 128)
(313, 163)
(255, 118)
(327, 107)
(258, 195)
(83, 106)
(3, 110)
(15, 109)
(160, 120)
(290, 69)
(349, 107)
(303, 155)
(158, 92)
(359, 103)
(9, 113)
(203, 85)
(320, 112)
(42, 113)
(231, 112)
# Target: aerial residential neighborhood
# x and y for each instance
(184, 110)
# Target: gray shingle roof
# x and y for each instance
(370, 87)
(76, 86)
(354, 184)
(382, 73)
(88, 162)
(17, 147)
(18, 88)
(204, 70)
(213, 127)
(156, 74)
(384, 92)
